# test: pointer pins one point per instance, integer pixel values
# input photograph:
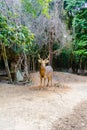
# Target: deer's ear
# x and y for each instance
(39, 61)
(46, 61)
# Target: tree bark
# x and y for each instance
(6, 62)
(28, 63)
(26, 66)
(50, 49)
(33, 64)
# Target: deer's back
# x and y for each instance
(49, 71)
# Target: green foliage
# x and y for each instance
(56, 46)
(63, 60)
(35, 7)
(73, 6)
(3, 29)
(80, 33)
(78, 12)
(33, 49)
(11, 35)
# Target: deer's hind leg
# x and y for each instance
(47, 81)
(51, 80)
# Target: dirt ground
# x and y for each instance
(60, 107)
(75, 121)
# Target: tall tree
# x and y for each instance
(77, 12)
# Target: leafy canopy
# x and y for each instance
(13, 34)
(36, 6)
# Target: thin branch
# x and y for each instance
(6, 5)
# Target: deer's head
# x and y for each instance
(43, 62)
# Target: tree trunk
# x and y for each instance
(50, 49)
(28, 63)
(33, 64)
(6, 62)
(50, 53)
(26, 66)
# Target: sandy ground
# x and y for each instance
(60, 107)
(75, 121)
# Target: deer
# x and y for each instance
(46, 71)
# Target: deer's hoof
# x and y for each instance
(47, 85)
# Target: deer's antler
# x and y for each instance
(48, 57)
(39, 56)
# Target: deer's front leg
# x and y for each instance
(40, 81)
(44, 81)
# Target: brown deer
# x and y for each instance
(46, 72)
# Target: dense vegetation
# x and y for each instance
(39, 27)
(77, 23)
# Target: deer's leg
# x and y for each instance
(40, 81)
(48, 82)
(44, 81)
(51, 81)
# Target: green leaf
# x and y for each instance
(1, 36)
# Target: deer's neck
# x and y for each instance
(42, 71)
(43, 68)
